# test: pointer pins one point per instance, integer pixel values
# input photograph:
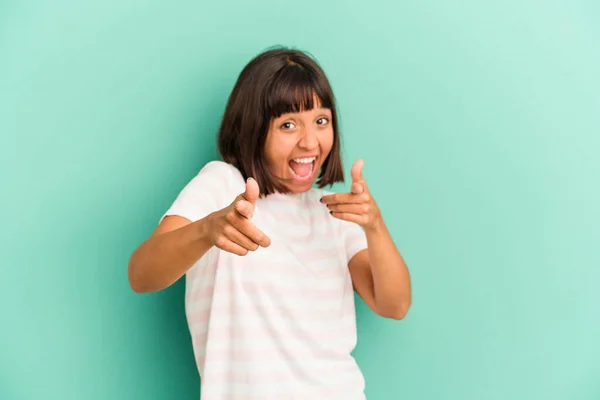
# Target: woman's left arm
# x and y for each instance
(379, 273)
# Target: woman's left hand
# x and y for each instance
(358, 206)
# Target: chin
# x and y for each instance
(297, 188)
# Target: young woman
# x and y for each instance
(271, 260)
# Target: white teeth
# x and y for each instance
(304, 160)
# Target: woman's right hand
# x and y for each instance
(231, 228)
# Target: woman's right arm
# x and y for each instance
(172, 249)
(177, 243)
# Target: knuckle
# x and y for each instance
(230, 217)
(228, 230)
(220, 241)
(365, 208)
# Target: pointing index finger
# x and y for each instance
(343, 198)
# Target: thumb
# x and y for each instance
(356, 171)
(252, 191)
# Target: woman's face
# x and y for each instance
(297, 144)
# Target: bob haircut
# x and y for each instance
(275, 82)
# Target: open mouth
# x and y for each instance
(303, 168)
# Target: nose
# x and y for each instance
(309, 140)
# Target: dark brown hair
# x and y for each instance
(275, 82)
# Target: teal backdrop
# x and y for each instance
(479, 124)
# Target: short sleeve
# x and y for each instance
(355, 239)
(207, 192)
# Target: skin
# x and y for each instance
(379, 274)
(296, 135)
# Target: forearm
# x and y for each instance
(391, 278)
(164, 258)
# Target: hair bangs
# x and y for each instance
(296, 89)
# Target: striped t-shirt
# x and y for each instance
(278, 323)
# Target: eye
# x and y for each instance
(322, 121)
(287, 125)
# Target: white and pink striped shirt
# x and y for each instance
(278, 323)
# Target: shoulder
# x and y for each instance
(210, 189)
(219, 169)
(220, 173)
(217, 179)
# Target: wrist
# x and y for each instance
(202, 231)
(376, 226)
